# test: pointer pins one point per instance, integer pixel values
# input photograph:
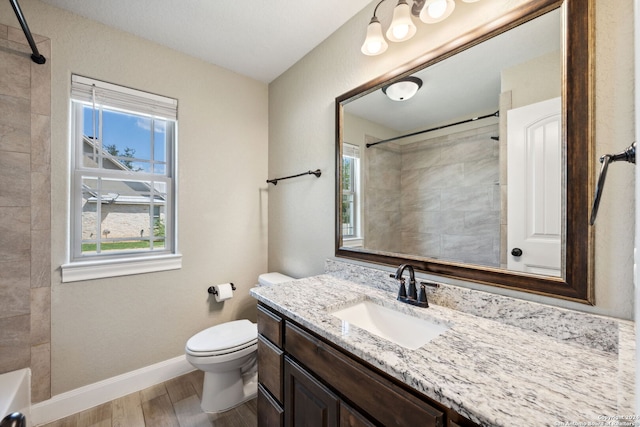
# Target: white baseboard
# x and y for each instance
(80, 399)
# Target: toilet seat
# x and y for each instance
(222, 339)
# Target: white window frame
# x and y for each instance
(353, 151)
(81, 266)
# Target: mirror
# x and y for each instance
(484, 173)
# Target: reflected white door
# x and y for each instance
(534, 195)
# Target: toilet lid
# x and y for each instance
(273, 278)
(225, 336)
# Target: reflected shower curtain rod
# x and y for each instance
(395, 138)
(316, 172)
(36, 56)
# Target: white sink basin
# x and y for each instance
(403, 329)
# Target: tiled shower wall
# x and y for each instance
(25, 210)
(438, 197)
(382, 214)
(451, 197)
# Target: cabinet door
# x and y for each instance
(307, 402)
(349, 417)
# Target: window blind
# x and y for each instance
(82, 89)
(350, 150)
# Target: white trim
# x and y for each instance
(83, 398)
(99, 269)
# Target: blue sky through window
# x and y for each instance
(130, 133)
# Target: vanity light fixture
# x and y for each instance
(402, 89)
(436, 10)
(402, 27)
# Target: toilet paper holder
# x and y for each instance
(212, 289)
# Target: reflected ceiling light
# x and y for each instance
(402, 27)
(402, 89)
(436, 10)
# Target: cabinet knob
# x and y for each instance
(516, 252)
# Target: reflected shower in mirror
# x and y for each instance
(431, 175)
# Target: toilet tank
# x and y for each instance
(268, 279)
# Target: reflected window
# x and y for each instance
(350, 191)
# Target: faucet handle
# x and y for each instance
(430, 284)
(422, 295)
(402, 293)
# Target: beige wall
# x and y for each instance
(301, 136)
(102, 328)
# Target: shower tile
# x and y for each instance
(470, 249)
(41, 82)
(15, 70)
(40, 258)
(444, 176)
(17, 35)
(15, 351)
(424, 244)
(425, 200)
(482, 223)
(482, 171)
(419, 159)
(15, 130)
(15, 234)
(452, 222)
(40, 315)
(41, 372)
(40, 143)
(14, 288)
(468, 199)
(15, 171)
(40, 201)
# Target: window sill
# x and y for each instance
(353, 242)
(87, 270)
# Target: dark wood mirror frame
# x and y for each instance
(578, 119)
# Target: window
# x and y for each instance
(350, 187)
(123, 213)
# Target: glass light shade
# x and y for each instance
(374, 44)
(402, 27)
(436, 10)
(404, 89)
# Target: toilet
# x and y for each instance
(227, 353)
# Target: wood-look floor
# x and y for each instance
(175, 403)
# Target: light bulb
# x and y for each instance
(437, 8)
(400, 31)
(374, 43)
(402, 27)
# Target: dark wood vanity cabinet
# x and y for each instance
(306, 381)
(270, 369)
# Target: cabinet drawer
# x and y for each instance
(270, 414)
(363, 387)
(270, 367)
(270, 325)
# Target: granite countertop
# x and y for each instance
(494, 373)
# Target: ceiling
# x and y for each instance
(259, 39)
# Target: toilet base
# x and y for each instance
(230, 390)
